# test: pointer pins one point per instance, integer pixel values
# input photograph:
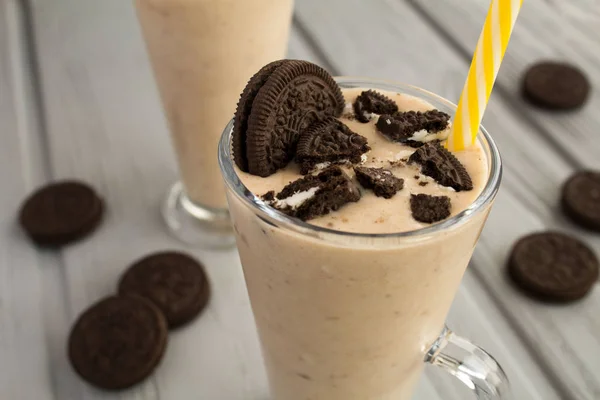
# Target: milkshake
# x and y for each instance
(202, 53)
(348, 304)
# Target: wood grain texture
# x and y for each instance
(24, 354)
(534, 168)
(546, 29)
(105, 126)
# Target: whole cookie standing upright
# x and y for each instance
(174, 282)
(118, 342)
(581, 199)
(61, 213)
(295, 94)
(553, 266)
(555, 85)
(244, 107)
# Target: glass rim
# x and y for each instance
(277, 218)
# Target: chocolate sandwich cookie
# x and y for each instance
(381, 181)
(329, 141)
(414, 127)
(244, 107)
(429, 209)
(174, 282)
(372, 102)
(118, 342)
(443, 166)
(581, 199)
(295, 95)
(315, 195)
(553, 266)
(556, 85)
(61, 213)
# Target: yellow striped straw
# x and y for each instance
(484, 68)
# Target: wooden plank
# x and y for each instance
(24, 284)
(573, 29)
(414, 52)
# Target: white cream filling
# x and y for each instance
(404, 154)
(325, 164)
(295, 200)
(322, 165)
(425, 136)
(372, 116)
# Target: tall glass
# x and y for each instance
(349, 316)
(203, 52)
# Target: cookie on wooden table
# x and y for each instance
(553, 266)
(556, 85)
(60, 213)
(581, 199)
(175, 282)
(118, 342)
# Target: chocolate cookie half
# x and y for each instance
(296, 94)
(118, 342)
(329, 141)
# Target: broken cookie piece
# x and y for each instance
(315, 195)
(443, 166)
(382, 181)
(371, 103)
(429, 209)
(415, 127)
(327, 142)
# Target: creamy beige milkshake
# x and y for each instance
(346, 316)
(202, 53)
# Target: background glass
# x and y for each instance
(203, 52)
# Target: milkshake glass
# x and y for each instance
(203, 52)
(353, 316)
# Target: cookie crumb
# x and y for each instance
(381, 181)
(429, 209)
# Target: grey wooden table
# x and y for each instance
(77, 100)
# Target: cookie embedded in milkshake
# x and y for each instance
(315, 195)
(329, 142)
(414, 127)
(350, 171)
(370, 104)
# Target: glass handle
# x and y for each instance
(472, 365)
